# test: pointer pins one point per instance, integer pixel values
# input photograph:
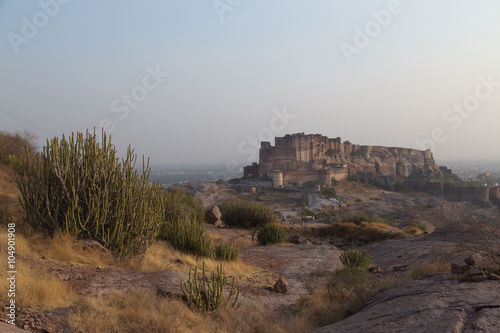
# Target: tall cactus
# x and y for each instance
(78, 186)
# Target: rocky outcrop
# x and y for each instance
(438, 305)
(403, 164)
(213, 216)
(280, 286)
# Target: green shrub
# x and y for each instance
(80, 187)
(356, 153)
(352, 178)
(182, 205)
(355, 259)
(226, 251)
(331, 152)
(206, 295)
(359, 200)
(270, 234)
(188, 236)
(351, 280)
(310, 184)
(418, 226)
(306, 212)
(398, 187)
(246, 214)
(357, 219)
(378, 184)
(328, 192)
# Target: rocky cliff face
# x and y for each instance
(386, 162)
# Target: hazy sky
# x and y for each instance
(199, 82)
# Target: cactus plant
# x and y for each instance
(207, 295)
(80, 187)
(355, 259)
(226, 251)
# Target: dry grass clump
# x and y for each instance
(63, 248)
(134, 312)
(145, 312)
(34, 288)
(320, 309)
(347, 293)
(426, 269)
(257, 318)
(415, 229)
(242, 238)
(161, 257)
(364, 231)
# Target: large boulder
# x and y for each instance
(213, 215)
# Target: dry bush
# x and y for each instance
(319, 308)
(34, 288)
(15, 143)
(426, 269)
(11, 210)
(345, 295)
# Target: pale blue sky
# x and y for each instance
(225, 77)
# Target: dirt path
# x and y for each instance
(303, 267)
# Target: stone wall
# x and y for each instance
(455, 193)
(467, 193)
(324, 177)
(495, 192)
(433, 188)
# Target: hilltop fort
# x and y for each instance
(299, 158)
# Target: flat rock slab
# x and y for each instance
(8, 328)
(428, 306)
(302, 266)
(164, 283)
(448, 244)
